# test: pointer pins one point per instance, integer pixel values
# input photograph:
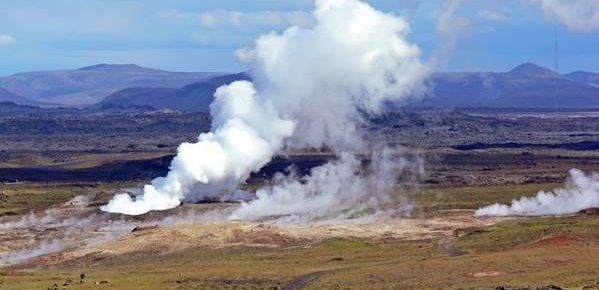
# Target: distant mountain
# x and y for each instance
(531, 70)
(120, 68)
(12, 109)
(89, 85)
(195, 97)
(6, 96)
(526, 86)
(584, 76)
(128, 86)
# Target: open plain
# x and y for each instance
(53, 233)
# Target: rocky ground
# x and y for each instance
(56, 176)
(440, 245)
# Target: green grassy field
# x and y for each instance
(430, 201)
(22, 198)
(26, 197)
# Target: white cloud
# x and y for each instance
(255, 19)
(577, 15)
(219, 39)
(179, 17)
(312, 87)
(492, 15)
(450, 26)
(6, 39)
(449, 22)
(245, 54)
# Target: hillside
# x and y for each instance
(584, 76)
(91, 84)
(6, 96)
(195, 97)
(526, 86)
(122, 86)
(10, 109)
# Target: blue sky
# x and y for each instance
(202, 35)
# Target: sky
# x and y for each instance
(203, 35)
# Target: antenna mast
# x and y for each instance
(555, 49)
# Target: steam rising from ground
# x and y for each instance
(351, 60)
(54, 230)
(341, 187)
(581, 192)
(76, 226)
(246, 132)
(311, 88)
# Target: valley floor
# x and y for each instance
(440, 247)
(52, 231)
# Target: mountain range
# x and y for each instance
(193, 97)
(526, 86)
(89, 85)
(6, 96)
(110, 87)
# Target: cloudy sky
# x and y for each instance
(203, 35)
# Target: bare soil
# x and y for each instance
(49, 236)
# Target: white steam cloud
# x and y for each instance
(341, 187)
(54, 230)
(311, 87)
(354, 57)
(577, 15)
(581, 192)
(246, 132)
(77, 226)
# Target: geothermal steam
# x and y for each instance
(311, 88)
(341, 188)
(581, 192)
(246, 132)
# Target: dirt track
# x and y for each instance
(302, 281)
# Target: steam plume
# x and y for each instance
(311, 86)
(581, 192)
(75, 226)
(246, 132)
(341, 187)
